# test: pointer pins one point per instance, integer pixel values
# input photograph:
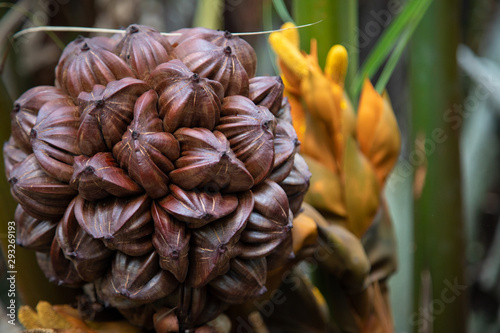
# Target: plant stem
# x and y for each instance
(438, 228)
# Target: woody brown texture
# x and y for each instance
(159, 169)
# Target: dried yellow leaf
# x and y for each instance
(29, 318)
(49, 318)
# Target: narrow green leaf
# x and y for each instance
(392, 62)
(411, 15)
(282, 11)
(398, 50)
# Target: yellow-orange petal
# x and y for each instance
(348, 116)
(298, 115)
(362, 190)
(29, 318)
(291, 33)
(336, 64)
(289, 54)
(377, 131)
(290, 80)
(305, 232)
(325, 190)
(49, 318)
(323, 104)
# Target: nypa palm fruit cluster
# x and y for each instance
(160, 170)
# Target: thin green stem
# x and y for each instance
(392, 62)
(410, 16)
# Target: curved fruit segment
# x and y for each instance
(87, 62)
(186, 99)
(250, 131)
(208, 163)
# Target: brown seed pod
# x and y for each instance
(208, 163)
(286, 144)
(143, 48)
(171, 241)
(141, 316)
(215, 244)
(245, 281)
(297, 183)
(243, 51)
(41, 196)
(132, 281)
(270, 222)
(12, 155)
(145, 150)
(43, 260)
(191, 304)
(85, 63)
(250, 131)
(53, 137)
(283, 254)
(284, 112)
(180, 35)
(33, 233)
(106, 113)
(107, 43)
(279, 174)
(99, 177)
(69, 277)
(123, 224)
(198, 208)
(213, 315)
(61, 270)
(89, 256)
(197, 306)
(147, 157)
(186, 99)
(25, 110)
(217, 63)
(267, 91)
